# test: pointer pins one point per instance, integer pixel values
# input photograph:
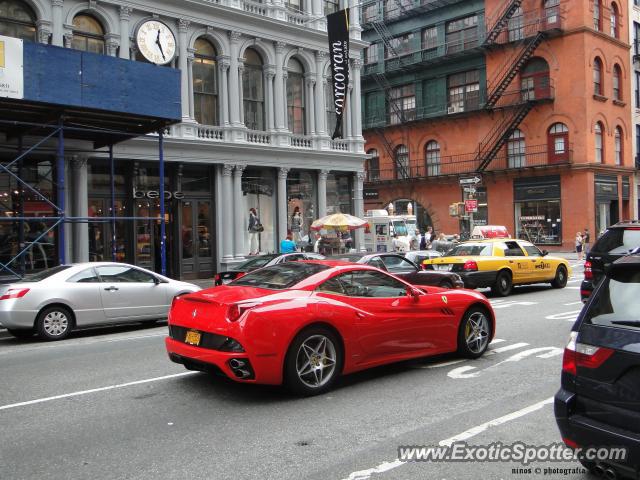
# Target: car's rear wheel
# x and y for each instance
(54, 323)
(474, 333)
(313, 362)
(503, 285)
(560, 280)
(22, 333)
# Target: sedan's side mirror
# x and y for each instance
(156, 280)
(545, 253)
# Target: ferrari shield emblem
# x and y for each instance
(444, 299)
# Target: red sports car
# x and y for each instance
(303, 324)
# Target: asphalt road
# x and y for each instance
(108, 404)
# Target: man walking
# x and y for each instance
(586, 241)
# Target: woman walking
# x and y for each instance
(579, 241)
(255, 227)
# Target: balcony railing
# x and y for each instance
(533, 157)
(399, 9)
(527, 25)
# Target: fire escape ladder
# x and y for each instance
(510, 69)
(510, 7)
(385, 35)
(498, 137)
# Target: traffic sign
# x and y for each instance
(471, 206)
(471, 180)
(470, 190)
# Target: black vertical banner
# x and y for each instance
(338, 30)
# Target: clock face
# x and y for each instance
(156, 42)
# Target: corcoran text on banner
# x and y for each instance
(338, 30)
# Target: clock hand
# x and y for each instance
(160, 45)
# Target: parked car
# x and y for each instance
(501, 264)
(617, 241)
(259, 261)
(53, 302)
(597, 404)
(399, 266)
(419, 256)
(303, 324)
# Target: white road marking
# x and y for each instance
(463, 372)
(506, 348)
(455, 362)
(572, 288)
(568, 316)
(497, 340)
(94, 390)
(572, 303)
(466, 435)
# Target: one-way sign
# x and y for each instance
(470, 180)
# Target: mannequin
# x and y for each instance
(255, 227)
(296, 225)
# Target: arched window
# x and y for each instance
(205, 83)
(615, 24)
(17, 20)
(402, 162)
(597, 76)
(432, 158)
(535, 80)
(516, 150)
(295, 97)
(597, 131)
(372, 166)
(597, 15)
(558, 143)
(330, 106)
(253, 91)
(88, 34)
(618, 146)
(617, 82)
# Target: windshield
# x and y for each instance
(39, 276)
(616, 302)
(400, 227)
(471, 249)
(254, 263)
(279, 277)
(411, 226)
(618, 241)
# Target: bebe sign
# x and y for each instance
(152, 194)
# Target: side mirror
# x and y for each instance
(156, 280)
(414, 293)
(544, 253)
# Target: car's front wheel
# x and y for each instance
(313, 362)
(503, 285)
(474, 333)
(54, 323)
(560, 280)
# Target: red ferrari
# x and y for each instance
(303, 324)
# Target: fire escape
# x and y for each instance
(514, 106)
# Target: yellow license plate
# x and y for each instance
(193, 338)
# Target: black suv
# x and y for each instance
(598, 403)
(616, 242)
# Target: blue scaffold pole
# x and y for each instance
(61, 192)
(163, 246)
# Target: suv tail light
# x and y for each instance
(14, 293)
(582, 355)
(588, 272)
(237, 310)
(470, 266)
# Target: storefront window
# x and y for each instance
(100, 233)
(339, 193)
(258, 191)
(301, 196)
(539, 222)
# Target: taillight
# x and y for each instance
(14, 293)
(583, 355)
(173, 302)
(216, 279)
(236, 310)
(470, 266)
(588, 272)
(570, 443)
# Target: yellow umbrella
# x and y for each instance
(338, 221)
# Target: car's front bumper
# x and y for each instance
(587, 432)
(478, 279)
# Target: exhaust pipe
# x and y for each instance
(599, 470)
(235, 363)
(610, 474)
(240, 368)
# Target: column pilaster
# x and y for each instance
(282, 204)
(322, 192)
(238, 215)
(227, 213)
(224, 91)
(280, 100)
(125, 47)
(80, 208)
(310, 82)
(269, 75)
(183, 65)
(234, 94)
(358, 206)
(57, 38)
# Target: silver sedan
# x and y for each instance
(53, 302)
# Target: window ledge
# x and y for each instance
(619, 103)
(600, 98)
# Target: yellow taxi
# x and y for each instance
(501, 264)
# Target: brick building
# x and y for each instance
(532, 100)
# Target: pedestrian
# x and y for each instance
(316, 244)
(431, 236)
(579, 245)
(423, 241)
(255, 227)
(586, 241)
(296, 225)
(288, 245)
(397, 244)
(416, 239)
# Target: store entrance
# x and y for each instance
(147, 238)
(196, 238)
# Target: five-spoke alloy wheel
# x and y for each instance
(475, 332)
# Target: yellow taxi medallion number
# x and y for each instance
(193, 337)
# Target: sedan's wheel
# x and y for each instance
(560, 280)
(313, 362)
(54, 323)
(22, 333)
(503, 284)
(474, 333)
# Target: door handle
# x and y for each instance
(111, 289)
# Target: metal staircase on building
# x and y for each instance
(510, 69)
(498, 137)
(510, 7)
